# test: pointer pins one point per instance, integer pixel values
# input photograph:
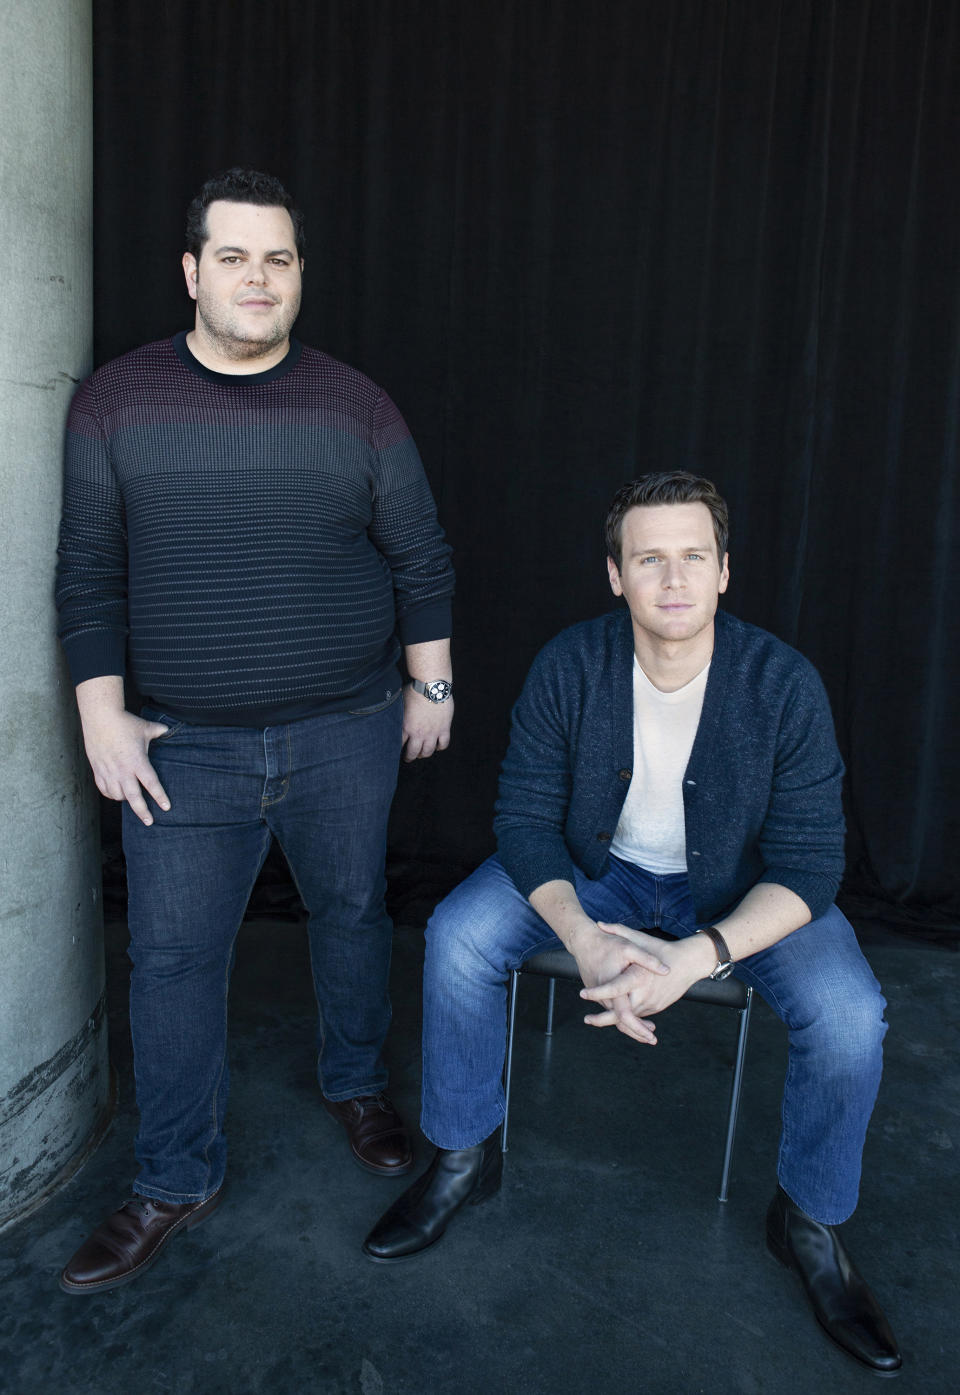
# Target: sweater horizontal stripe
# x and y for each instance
(244, 546)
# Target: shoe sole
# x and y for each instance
(382, 1171)
(102, 1285)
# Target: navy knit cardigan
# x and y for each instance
(761, 791)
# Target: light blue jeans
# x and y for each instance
(816, 980)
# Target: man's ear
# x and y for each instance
(189, 264)
(724, 574)
(613, 572)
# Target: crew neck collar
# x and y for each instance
(286, 364)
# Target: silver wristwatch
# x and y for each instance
(438, 691)
(724, 961)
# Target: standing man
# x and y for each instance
(674, 768)
(249, 535)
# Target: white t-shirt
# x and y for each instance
(651, 829)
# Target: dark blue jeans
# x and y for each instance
(816, 980)
(323, 788)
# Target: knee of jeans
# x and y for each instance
(158, 961)
(849, 1028)
(460, 943)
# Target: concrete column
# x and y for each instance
(54, 1078)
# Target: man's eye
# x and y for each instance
(645, 560)
(229, 261)
(695, 556)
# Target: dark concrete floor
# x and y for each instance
(605, 1265)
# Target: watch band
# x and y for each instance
(724, 957)
(438, 690)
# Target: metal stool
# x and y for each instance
(728, 992)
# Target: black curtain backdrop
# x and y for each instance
(576, 243)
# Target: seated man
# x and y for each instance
(671, 767)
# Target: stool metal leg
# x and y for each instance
(735, 1093)
(551, 996)
(511, 1021)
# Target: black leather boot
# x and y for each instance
(844, 1306)
(419, 1217)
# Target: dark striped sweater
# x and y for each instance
(249, 548)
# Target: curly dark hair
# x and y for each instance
(665, 487)
(240, 185)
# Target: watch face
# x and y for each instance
(439, 690)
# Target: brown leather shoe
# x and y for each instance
(129, 1241)
(378, 1136)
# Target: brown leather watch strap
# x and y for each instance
(719, 943)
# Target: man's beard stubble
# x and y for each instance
(227, 334)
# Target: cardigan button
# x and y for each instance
(691, 782)
(694, 854)
(626, 774)
(603, 837)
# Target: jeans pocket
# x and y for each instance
(153, 714)
(375, 707)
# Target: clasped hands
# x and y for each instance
(632, 975)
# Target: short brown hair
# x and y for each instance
(665, 487)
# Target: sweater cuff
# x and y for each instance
(426, 622)
(96, 654)
(532, 867)
(819, 892)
